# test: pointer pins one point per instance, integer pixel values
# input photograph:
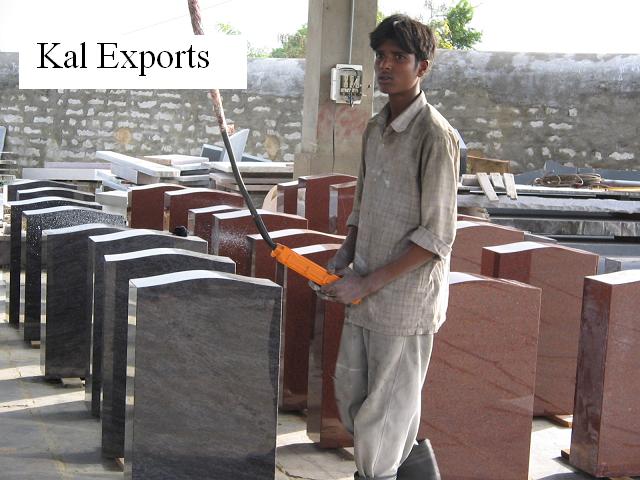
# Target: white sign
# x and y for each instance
(134, 61)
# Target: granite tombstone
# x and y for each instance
(25, 184)
(200, 220)
(146, 205)
(36, 221)
(55, 192)
(178, 203)
(340, 205)
(202, 404)
(315, 194)
(99, 246)
(118, 270)
(65, 335)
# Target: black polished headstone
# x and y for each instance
(55, 192)
(24, 184)
(203, 352)
(99, 246)
(15, 266)
(36, 221)
(65, 331)
(118, 270)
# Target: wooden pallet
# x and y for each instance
(564, 453)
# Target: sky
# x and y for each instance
(562, 26)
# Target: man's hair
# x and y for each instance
(410, 35)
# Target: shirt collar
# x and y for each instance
(402, 121)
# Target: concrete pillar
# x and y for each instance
(332, 133)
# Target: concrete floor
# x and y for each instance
(47, 433)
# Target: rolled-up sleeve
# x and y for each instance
(438, 199)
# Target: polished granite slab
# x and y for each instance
(477, 401)
(55, 192)
(25, 184)
(178, 203)
(605, 440)
(110, 244)
(230, 230)
(559, 272)
(298, 314)
(200, 220)
(118, 270)
(15, 266)
(146, 205)
(36, 221)
(472, 237)
(315, 195)
(65, 331)
(287, 197)
(341, 198)
(203, 386)
(263, 265)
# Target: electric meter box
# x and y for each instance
(346, 84)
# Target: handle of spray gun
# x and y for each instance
(303, 266)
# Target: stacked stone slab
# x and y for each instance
(146, 205)
(605, 440)
(25, 184)
(559, 272)
(202, 404)
(55, 192)
(119, 269)
(99, 246)
(477, 401)
(65, 333)
(36, 221)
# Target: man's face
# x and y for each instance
(396, 70)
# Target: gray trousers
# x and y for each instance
(378, 384)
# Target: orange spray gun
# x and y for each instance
(284, 255)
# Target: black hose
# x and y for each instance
(243, 190)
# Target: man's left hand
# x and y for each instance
(349, 288)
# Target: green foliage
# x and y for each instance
(451, 28)
(293, 45)
(379, 17)
(227, 29)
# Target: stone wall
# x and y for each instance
(527, 108)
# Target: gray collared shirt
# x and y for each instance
(406, 192)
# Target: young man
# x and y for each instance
(400, 235)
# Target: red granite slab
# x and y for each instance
(323, 420)
(146, 205)
(263, 265)
(472, 237)
(230, 230)
(177, 204)
(200, 220)
(298, 313)
(559, 272)
(605, 440)
(340, 206)
(477, 401)
(316, 198)
(287, 199)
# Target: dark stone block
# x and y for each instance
(316, 198)
(287, 200)
(263, 265)
(202, 403)
(606, 420)
(559, 272)
(24, 184)
(15, 212)
(298, 313)
(114, 243)
(118, 270)
(146, 205)
(200, 220)
(36, 221)
(65, 335)
(178, 203)
(55, 192)
(230, 230)
(340, 205)
(477, 401)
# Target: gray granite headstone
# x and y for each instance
(118, 270)
(36, 221)
(203, 352)
(114, 243)
(15, 266)
(65, 334)
(25, 184)
(55, 192)
(617, 264)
